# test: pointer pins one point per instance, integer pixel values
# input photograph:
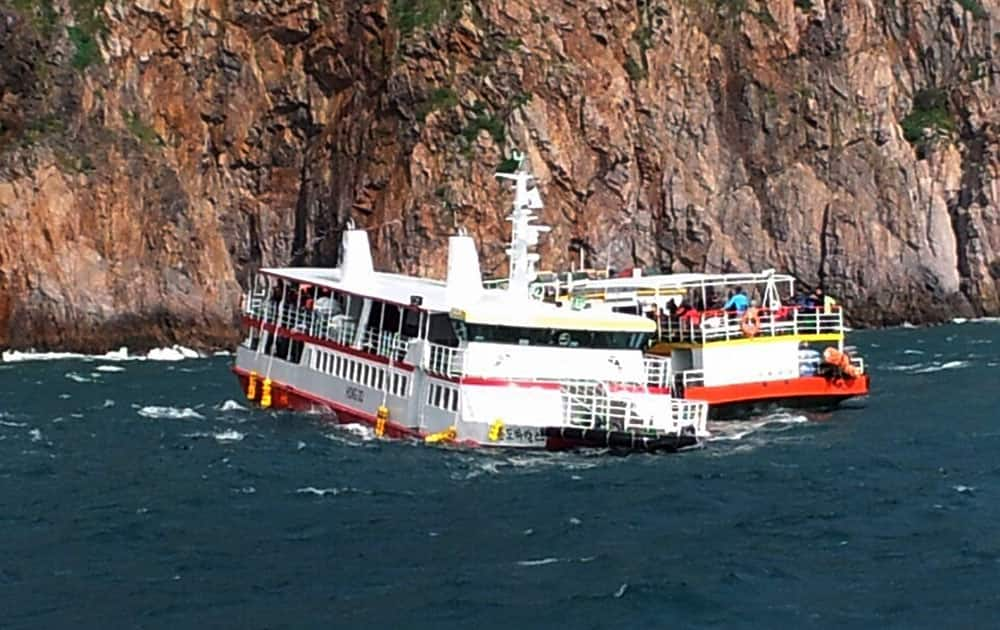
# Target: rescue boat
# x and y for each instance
(773, 353)
(453, 362)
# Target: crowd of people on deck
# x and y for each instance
(738, 303)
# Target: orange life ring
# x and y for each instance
(750, 322)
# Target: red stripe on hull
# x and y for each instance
(804, 387)
(507, 382)
(288, 397)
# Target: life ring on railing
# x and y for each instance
(750, 322)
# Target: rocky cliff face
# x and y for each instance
(154, 152)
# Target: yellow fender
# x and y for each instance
(252, 386)
(447, 435)
(265, 394)
(381, 417)
(496, 430)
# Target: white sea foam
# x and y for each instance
(173, 353)
(108, 403)
(6, 423)
(734, 430)
(229, 435)
(950, 365)
(964, 489)
(109, 368)
(36, 435)
(232, 405)
(959, 320)
(537, 563)
(171, 413)
(78, 378)
(903, 368)
(322, 492)
(912, 351)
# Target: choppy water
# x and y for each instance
(143, 494)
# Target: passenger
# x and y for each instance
(828, 302)
(738, 302)
(814, 301)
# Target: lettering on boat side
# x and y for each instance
(526, 434)
(355, 394)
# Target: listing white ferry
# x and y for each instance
(774, 347)
(454, 362)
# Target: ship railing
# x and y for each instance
(718, 325)
(859, 363)
(386, 344)
(591, 405)
(690, 378)
(444, 360)
(657, 371)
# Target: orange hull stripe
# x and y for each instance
(804, 387)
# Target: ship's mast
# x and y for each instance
(524, 235)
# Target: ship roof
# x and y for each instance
(387, 287)
(496, 307)
(683, 280)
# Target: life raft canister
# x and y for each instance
(750, 322)
(842, 361)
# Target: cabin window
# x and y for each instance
(599, 339)
(441, 331)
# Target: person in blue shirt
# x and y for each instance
(739, 302)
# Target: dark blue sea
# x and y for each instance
(143, 494)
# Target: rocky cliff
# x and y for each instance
(154, 152)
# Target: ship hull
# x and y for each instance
(290, 398)
(810, 392)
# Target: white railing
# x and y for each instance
(691, 378)
(689, 413)
(859, 363)
(385, 344)
(724, 325)
(339, 329)
(444, 360)
(657, 371)
(590, 405)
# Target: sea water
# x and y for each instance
(142, 492)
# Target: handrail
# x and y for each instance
(657, 371)
(719, 325)
(339, 329)
(444, 360)
(592, 405)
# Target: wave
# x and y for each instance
(734, 430)
(109, 368)
(78, 378)
(950, 365)
(229, 435)
(5, 423)
(537, 563)
(170, 413)
(173, 353)
(232, 405)
(322, 492)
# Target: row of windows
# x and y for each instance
(442, 397)
(359, 372)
